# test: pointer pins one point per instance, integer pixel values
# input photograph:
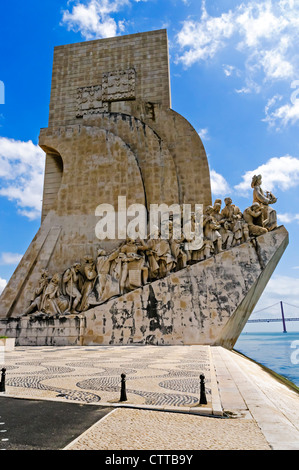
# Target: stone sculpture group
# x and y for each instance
(138, 262)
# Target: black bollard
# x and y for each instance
(123, 393)
(2, 383)
(203, 398)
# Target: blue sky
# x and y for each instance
(234, 75)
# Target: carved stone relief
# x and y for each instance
(119, 85)
(136, 263)
(89, 100)
(115, 86)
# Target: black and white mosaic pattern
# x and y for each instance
(155, 375)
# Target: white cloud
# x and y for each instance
(230, 70)
(204, 133)
(271, 102)
(279, 288)
(283, 286)
(3, 283)
(251, 86)
(278, 172)
(283, 115)
(288, 218)
(257, 21)
(21, 175)
(275, 65)
(94, 18)
(10, 258)
(265, 32)
(288, 113)
(205, 38)
(219, 185)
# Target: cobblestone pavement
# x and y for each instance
(126, 429)
(246, 407)
(158, 376)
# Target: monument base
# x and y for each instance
(207, 303)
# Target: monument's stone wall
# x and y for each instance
(106, 75)
(112, 133)
(119, 78)
(207, 303)
(101, 75)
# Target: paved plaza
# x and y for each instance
(247, 408)
(155, 376)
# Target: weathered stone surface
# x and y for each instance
(100, 63)
(136, 146)
(34, 331)
(206, 303)
(112, 133)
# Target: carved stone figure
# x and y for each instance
(206, 251)
(106, 285)
(152, 259)
(227, 235)
(166, 260)
(36, 302)
(90, 275)
(71, 288)
(240, 227)
(123, 269)
(217, 210)
(140, 264)
(252, 216)
(228, 211)
(177, 249)
(128, 267)
(135, 262)
(225, 230)
(50, 299)
(245, 230)
(237, 225)
(264, 199)
(162, 261)
(211, 229)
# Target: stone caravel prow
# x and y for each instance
(112, 134)
(206, 303)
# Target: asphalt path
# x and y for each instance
(44, 424)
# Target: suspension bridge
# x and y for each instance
(282, 318)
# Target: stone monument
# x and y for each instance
(113, 140)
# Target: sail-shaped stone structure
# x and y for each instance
(113, 134)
